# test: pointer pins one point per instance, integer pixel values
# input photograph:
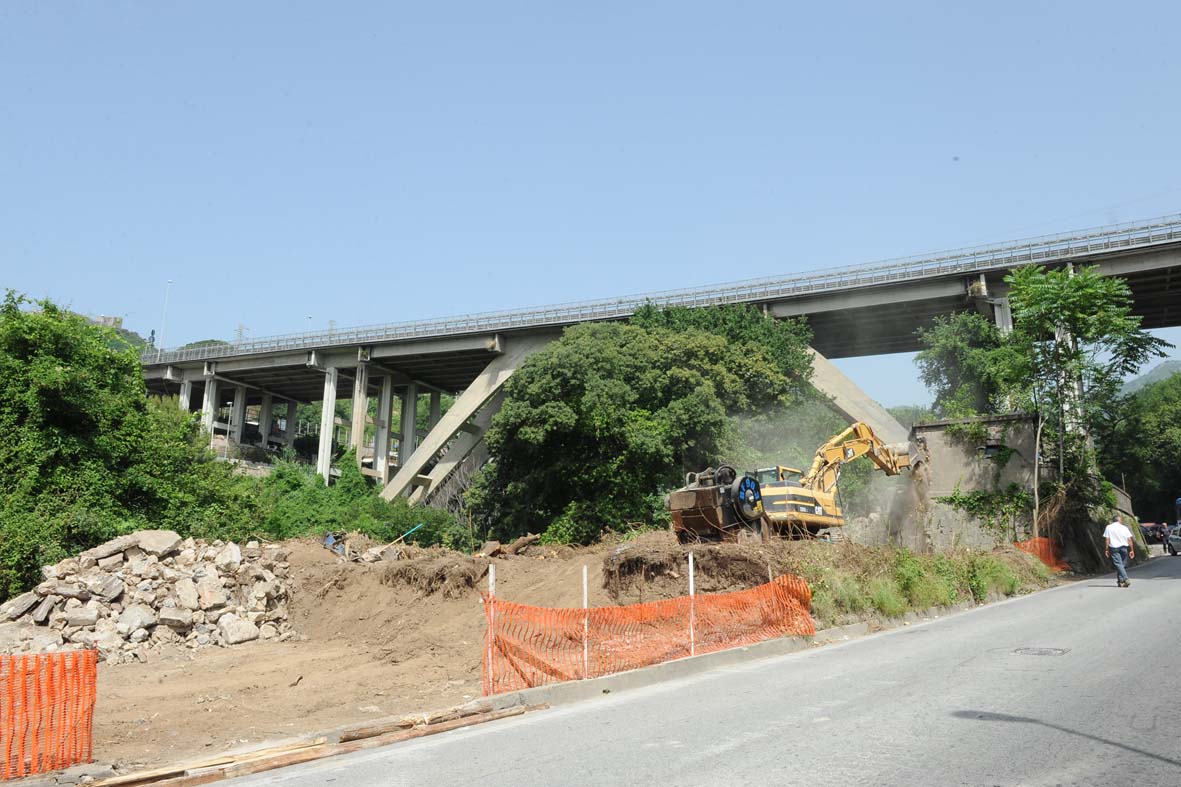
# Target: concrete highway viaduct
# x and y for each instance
(853, 311)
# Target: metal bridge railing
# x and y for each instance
(976, 259)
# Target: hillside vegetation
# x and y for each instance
(86, 456)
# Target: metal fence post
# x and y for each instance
(692, 610)
(585, 628)
(491, 624)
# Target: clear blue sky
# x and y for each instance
(378, 162)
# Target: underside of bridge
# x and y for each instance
(253, 401)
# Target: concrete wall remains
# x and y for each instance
(991, 455)
(988, 459)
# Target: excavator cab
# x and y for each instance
(773, 475)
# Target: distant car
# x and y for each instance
(1173, 544)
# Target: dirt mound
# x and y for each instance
(655, 566)
(438, 571)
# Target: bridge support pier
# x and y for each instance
(209, 404)
(238, 414)
(266, 418)
(289, 432)
(186, 394)
(470, 436)
(436, 409)
(853, 403)
(360, 409)
(381, 441)
(408, 440)
(327, 424)
(410, 477)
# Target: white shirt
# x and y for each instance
(1118, 535)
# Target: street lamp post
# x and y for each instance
(163, 322)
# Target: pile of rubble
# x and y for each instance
(150, 589)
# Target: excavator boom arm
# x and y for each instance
(858, 440)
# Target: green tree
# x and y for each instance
(958, 364)
(743, 325)
(1139, 448)
(598, 424)
(84, 456)
(1074, 340)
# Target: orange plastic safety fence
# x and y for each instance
(46, 711)
(529, 646)
(1045, 550)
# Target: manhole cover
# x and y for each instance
(1041, 651)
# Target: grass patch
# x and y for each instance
(887, 598)
(850, 582)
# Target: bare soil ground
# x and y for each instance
(383, 639)
(392, 638)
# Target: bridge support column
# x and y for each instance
(381, 441)
(238, 413)
(186, 394)
(467, 404)
(409, 438)
(289, 432)
(266, 418)
(1002, 315)
(360, 409)
(327, 424)
(436, 409)
(209, 405)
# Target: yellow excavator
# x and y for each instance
(718, 505)
(798, 501)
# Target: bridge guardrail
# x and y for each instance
(976, 259)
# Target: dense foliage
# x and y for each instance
(87, 456)
(1074, 340)
(958, 364)
(599, 424)
(1140, 447)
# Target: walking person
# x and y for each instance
(1118, 546)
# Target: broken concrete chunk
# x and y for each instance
(111, 563)
(107, 587)
(210, 593)
(138, 616)
(81, 616)
(186, 594)
(180, 619)
(120, 544)
(14, 608)
(228, 559)
(158, 542)
(234, 630)
(43, 610)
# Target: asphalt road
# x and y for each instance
(952, 702)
